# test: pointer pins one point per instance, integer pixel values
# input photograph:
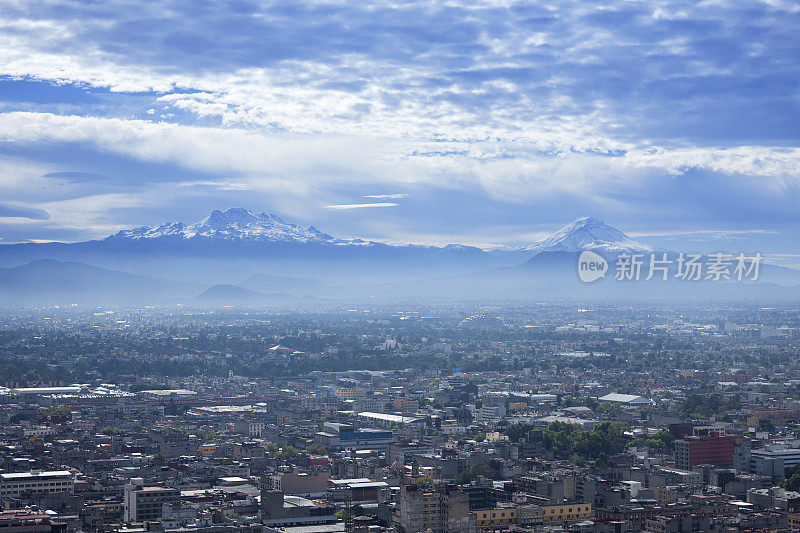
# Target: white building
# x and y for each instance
(251, 428)
(35, 482)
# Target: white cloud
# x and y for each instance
(620, 106)
(346, 207)
(706, 234)
(395, 196)
(571, 73)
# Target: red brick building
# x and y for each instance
(712, 449)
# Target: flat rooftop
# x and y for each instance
(23, 475)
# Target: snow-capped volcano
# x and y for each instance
(234, 224)
(589, 233)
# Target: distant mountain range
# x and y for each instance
(259, 259)
(235, 224)
(242, 226)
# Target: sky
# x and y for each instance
(487, 123)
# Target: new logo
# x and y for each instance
(591, 266)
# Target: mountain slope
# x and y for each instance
(70, 282)
(235, 224)
(226, 294)
(589, 233)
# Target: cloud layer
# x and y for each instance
(498, 116)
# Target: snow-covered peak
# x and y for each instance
(168, 229)
(587, 233)
(234, 224)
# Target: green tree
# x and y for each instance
(517, 431)
(468, 476)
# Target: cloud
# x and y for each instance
(725, 72)
(513, 164)
(678, 109)
(707, 234)
(395, 196)
(361, 206)
(12, 211)
(177, 162)
(79, 177)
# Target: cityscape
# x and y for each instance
(542, 417)
(431, 266)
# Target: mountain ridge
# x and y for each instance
(242, 225)
(236, 223)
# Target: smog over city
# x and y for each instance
(417, 267)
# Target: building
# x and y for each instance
(142, 504)
(23, 521)
(359, 490)
(530, 515)
(347, 394)
(638, 516)
(248, 450)
(445, 510)
(207, 450)
(494, 407)
(670, 524)
(713, 449)
(16, 485)
(251, 428)
(626, 399)
(495, 518)
(44, 391)
(279, 510)
(773, 463)
(335, 435)
(585, 423)
(374, 404)
(389, 420)
(295, 482)
(567, 512)
(405, 404)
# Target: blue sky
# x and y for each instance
(482, 123)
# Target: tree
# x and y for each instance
(793, 482)
(566, 440)
(316, 449)
(662, 441)
(424, 481)
(766, 425)
(517, 431)
(287, 452)
(468, 476)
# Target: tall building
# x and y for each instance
(713, 449)
(143, 504)
(494, 407)
(445, 510)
